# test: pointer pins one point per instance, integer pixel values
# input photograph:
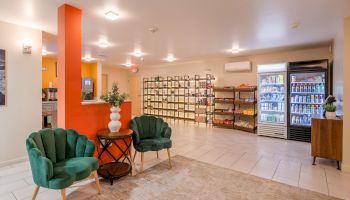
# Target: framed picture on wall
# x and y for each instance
(2, 78)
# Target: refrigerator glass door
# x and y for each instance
(307, 94)
(272, 98)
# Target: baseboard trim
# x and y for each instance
(14, 161)
(345, 168)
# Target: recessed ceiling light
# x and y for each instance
(87, 58)
(137, 53)
(170, 58)
(103, 44)
(235, 50)
(128, 64)
(43, 52)
(110, 15)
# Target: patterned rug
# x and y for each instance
(191, 179)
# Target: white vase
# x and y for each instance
(114, 125)
(331, 115)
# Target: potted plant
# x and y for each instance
(329, 107)
(115, 99)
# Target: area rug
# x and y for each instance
(191, 179)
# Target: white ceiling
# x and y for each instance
(187, 28)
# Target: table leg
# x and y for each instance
(338, 163)
(314, 162)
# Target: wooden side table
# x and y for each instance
(122, 165)
(327, 139)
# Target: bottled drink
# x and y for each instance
(313, 88)
(317, 89)
(309, 88)
(312, 109)
(322, 88)
(312, 98)
(297, 88)
(301, 88)
(304, 99)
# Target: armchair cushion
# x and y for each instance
(70, 170)
(153, 144)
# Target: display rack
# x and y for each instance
(245, 109)
(224, 107)
(179, 98)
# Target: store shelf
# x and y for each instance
(223, 113)
(230, 126)
(244, 115)
(223, 89)
(223, 102)
(252, 130)
(242, 102)
(253, 89)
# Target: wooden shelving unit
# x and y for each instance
(246, 109)
(179, 97)
(224, 107)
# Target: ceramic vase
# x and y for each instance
(331, 115)
(114, 125)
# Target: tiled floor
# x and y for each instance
(280, 160)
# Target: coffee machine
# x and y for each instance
(88, 88)
(49, 94)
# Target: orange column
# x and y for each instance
(69, 64)
(85, 119)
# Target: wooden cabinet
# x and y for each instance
(327, 139)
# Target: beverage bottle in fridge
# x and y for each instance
(317, 89)
(312, 109)
(320, 98)
(322, 88)
(300, 108)
(297, 88)
(309, 88)
(308, 109)
(292, 108)
(312, 98)
(320, 110)
(313, 89)
(304, 99)
(297, 120)
(304, 109)
(302, 88)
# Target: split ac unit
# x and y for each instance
(238, 66)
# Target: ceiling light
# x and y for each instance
(235, 50)
(87, 58)
(170, 58)
(138, 53)
(128, 64)
(103, 44)
(43, 52)
(110, 15)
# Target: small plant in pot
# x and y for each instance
(329, 107)
(115, 99)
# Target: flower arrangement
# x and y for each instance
(114, 97)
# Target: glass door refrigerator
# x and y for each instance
(308, 87)
(272, 91)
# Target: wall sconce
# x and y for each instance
(27, 47)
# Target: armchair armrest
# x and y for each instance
(42, 168)
(135, 134)
(166, 131)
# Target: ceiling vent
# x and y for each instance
(238, 66)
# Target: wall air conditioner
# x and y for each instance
(238, 66)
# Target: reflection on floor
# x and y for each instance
(280, 160)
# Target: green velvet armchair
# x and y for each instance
(60, 157)
(150, 134)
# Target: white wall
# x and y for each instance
(338, 62)
(119, 75)
(22, 113)
(346, 108)
(216, 66)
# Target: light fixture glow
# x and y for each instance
(44, 52)
(128, 64)
(170, 58)
(110, 15)
(87, 58)
(103, 44)
(138, 53)
(235, 50)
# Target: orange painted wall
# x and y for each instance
(49, 75)
(86, 119)
(89, 70)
